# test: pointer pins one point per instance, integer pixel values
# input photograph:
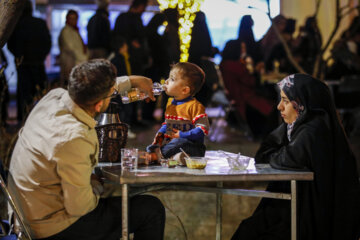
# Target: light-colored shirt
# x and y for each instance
(71, 46)
(52, 163)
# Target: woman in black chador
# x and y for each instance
(311, 138)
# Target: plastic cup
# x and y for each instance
(129, 158)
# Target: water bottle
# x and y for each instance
(134, 94)
(158, 88)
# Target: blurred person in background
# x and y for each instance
(201, 44)
(270, 39)
(99, 31)
(246, 35)
(171, 35)
(201, 53)
(252, 109)
(279, 54)
(72, 48)
(346, 53)
(309, 46)
(130, 26)
(120, 58)
(30, 43)
(160, 64)
(155, 31)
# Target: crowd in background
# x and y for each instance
(150, 50)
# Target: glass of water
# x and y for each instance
(129, 158)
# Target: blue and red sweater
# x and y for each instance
(188, 116)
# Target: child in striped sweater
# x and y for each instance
(186, 123)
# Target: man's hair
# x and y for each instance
(91, 81)
(193, 74)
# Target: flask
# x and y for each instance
(111, 133)
(134, 94)
(111, 115)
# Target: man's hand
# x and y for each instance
(159, 138)
(97, 185)
(144, 84)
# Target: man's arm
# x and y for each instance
(143, 83)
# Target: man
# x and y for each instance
(72, 48)
(130, 26)
(55, 155)
(30, 43)
(99, 31)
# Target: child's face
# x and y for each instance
(176, 86)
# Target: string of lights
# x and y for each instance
(187, 10)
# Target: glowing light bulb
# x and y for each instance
(187, 10)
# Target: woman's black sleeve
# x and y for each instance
(271, 144)
(294, 155)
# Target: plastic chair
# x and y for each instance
(24, 232)
(5, 231)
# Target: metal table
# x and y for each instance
(217, 170)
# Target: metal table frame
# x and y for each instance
(216, 171)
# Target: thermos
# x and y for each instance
(112, 134)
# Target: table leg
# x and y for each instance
(293, 210)
(219, 212)
(125, 198)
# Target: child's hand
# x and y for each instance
(159, 138)
(176, 133)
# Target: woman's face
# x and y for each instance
(287, 111)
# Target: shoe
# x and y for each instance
(131, 135)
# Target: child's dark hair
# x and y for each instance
(193, 74)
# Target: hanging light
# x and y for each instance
(187, 10)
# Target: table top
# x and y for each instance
(216, 170)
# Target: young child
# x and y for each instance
(186, 123)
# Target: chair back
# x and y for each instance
(24, 229)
